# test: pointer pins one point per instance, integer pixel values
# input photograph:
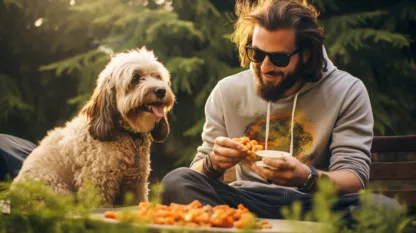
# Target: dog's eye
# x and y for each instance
(136, 78)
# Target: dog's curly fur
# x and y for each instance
(129, 104)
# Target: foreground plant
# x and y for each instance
(35, 208)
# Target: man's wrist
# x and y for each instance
(209, 170)
(310, 183)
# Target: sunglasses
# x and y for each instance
(279, 59)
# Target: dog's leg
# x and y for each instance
(54, 181)
(106, 185)
(142, 189)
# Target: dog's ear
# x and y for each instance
(160, 131)
(101, 113)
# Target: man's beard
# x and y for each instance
(274, 93)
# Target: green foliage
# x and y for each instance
(322, 212)
(325, 5)
(17, 3)
(35, 208)
(370, 43)
(74, 63)
(33, 34)
(11, 97)
(186, 72)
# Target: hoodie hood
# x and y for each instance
(309, 85)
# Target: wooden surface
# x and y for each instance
(393, 171)
(386, 144)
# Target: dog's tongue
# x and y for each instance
(159, 111)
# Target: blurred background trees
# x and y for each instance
(52, 51)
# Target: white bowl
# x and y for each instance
(270, 154)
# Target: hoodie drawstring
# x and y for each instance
(292, 123)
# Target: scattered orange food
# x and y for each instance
(192, 215)
(250, 146)
(110, 214)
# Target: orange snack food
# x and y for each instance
(249, 146)
(110, 214)
(191, 215)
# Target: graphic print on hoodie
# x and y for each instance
(279, 134)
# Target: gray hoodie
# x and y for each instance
(333, 123)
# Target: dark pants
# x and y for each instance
(184, 185)
(13, 151)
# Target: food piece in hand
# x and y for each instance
(250, 147)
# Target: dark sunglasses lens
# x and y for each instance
(255, 55)
(280, 60)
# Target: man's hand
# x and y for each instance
(226, 153)
(288, 171)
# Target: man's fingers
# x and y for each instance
(281, 182)
(280, 164)
(227, 152)
(226, 165)
(226, 159)
(228, 142)
(273, 175)
(263, 172)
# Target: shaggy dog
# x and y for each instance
(108, 143)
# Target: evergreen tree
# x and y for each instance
(373, 40)
(32, 33)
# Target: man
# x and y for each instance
(13, 151)
(332, 119)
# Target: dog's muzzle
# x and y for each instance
(156, 108)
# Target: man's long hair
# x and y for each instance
(282, 14)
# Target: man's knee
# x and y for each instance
(387, 204)
(13, 151)
(371, 201)
(173, 180)
(178, 176)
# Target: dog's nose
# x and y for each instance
(160, 92)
